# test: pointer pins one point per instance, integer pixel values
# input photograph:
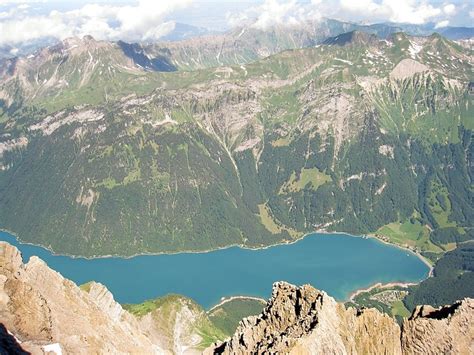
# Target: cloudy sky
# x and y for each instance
(148, 20)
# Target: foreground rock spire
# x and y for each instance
(303, 320)
(46, 312)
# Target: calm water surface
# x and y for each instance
(336, 263)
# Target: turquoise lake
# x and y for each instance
(336, 263)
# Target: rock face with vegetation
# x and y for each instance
(176, 323)
(44, 310)
(303, 320)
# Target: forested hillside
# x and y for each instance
(101, 156)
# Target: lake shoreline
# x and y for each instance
(242, 246)
(391, 284)
(225, 300)
(421, 257)
(381, 285)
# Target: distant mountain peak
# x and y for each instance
(352, 38)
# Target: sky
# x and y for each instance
(149, 20)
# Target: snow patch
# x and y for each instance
(241, 32)
(344, 61)
(414, 49)
(386, 150)
(53, 348)
(380, 190)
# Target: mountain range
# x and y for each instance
(358, 134)
(307, 33)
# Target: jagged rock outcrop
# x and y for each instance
(303, 320)
(446, 330)
(43, 310)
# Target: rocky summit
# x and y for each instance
(303, 320)
(42, 312)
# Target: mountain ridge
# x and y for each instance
(248, 43)
(303, 320)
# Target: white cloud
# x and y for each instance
(277, 12)
(23, 3)
(14, 31)
(288, 12)
(147, 20)
(403, 11)
(362, 6)
(141, 22)
(442, 24)
(449, 9)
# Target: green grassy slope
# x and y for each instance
(178, 321)
(228, 315)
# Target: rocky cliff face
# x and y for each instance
(303, 320)
(41, 311)
(446, 330)
(46, 311)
